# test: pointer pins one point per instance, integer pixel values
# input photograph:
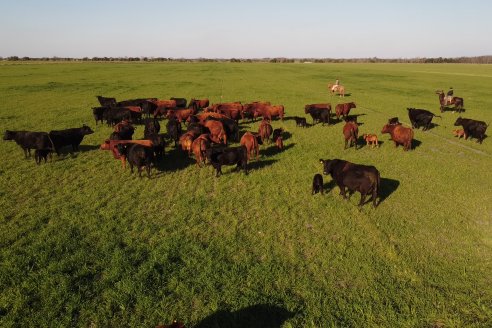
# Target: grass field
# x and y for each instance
(84, 243)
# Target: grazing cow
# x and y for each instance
(344, 109)
(228, 156)
(152, 127)
(180, 114)
(279, 142)
(277, 133)
(73, 137)
(202, 117)
(231, 110)
(174, 131)
(137, 155)
(317, 184)
(197, 128)
(472, 128)
(400, 135)
(231, 127)
(394, 121)
(250, 109)
(40, 154)
(217, 131)
(199, 148)
(459, 133)
(354, 177)
(265, 131)
(186, 141)
(420, 117)
(320, 112)
(300, 121)
(268, 112)
(180, 102)
(251, 141)
(163, 106)
(371, 139)
(106, 102)
(122, 131)
(29, 140)
(351, 134)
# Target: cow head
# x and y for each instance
(86, 130)
(8, 135)
(327, 165)
(388, 128)
(393, 120)
(459, 121)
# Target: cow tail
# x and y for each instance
(376, 189)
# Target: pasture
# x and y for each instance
(84, 243)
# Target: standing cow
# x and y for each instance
(472, 128)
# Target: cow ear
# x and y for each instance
(322, 161)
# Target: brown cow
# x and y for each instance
(265, 130)
(233, 111)
(267, 112)
(198, 103)
(279, 142)
(199, 148)
(400, 135)
(459, 133)
(180, 114)
(344, 109)
(186, 140)
(371, 139)
(250, 109)
(202, 117)
(163, 106)
(351, 133)
(217, 132)
(251, 142)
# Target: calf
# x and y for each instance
(137, 155)
(251, 141)
(29, 140)
(351, 134)
(300, 121)
(40, 154)
(279, 142)
(228, 156)
(472, 128)
(420, 117)
(371, 139)
(277, 133)
(459, 133)
(400, 135)
(317, 184)
(354, 177)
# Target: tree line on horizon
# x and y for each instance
(418, 60)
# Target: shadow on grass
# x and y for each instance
(452, 109)
(416, 143)
(260, 315)
(388, 186)
(174, 159)
(274, 150)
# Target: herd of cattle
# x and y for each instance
(209, 128)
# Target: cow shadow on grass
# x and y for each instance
(84, 148)
(452, 109)
(260, 315)
(328, 186)
(274, 150)
(388, 186)
(174, 160)
(416, 143)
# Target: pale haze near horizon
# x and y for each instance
(245, 29)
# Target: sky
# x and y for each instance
(245, 28)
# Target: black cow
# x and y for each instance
(28, 140)
(180, 102)
(228, 156)
(230, 126)
(362, 178)
(115, 115)
(420, 117)
(300, 121)
(125, 133)
(98, 113)
(315, 113)
(394, 121)
(74, 136)
(277, 133)
(174, 131)
(106, 102)
(317, 184)
(152, 127)
(472, 128)
(159, 145)
(40, 154)
(137, 155)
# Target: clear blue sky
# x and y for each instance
(246, 29)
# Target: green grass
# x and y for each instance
(84, 243)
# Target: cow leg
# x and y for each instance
(362, 199)
(345, 144)
(131, 168)
(147, 167)
(25, 152)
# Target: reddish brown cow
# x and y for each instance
(180, 114)
(199, 103)
(344, 109)
(186, 140)
(250, 109)
(400, 135)
(265, 131)
(279, 142)
(202, 117)
(267, 112)
(199, 148)
(233, 111)
(351, 133)
(217, 132)
(250, 141)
